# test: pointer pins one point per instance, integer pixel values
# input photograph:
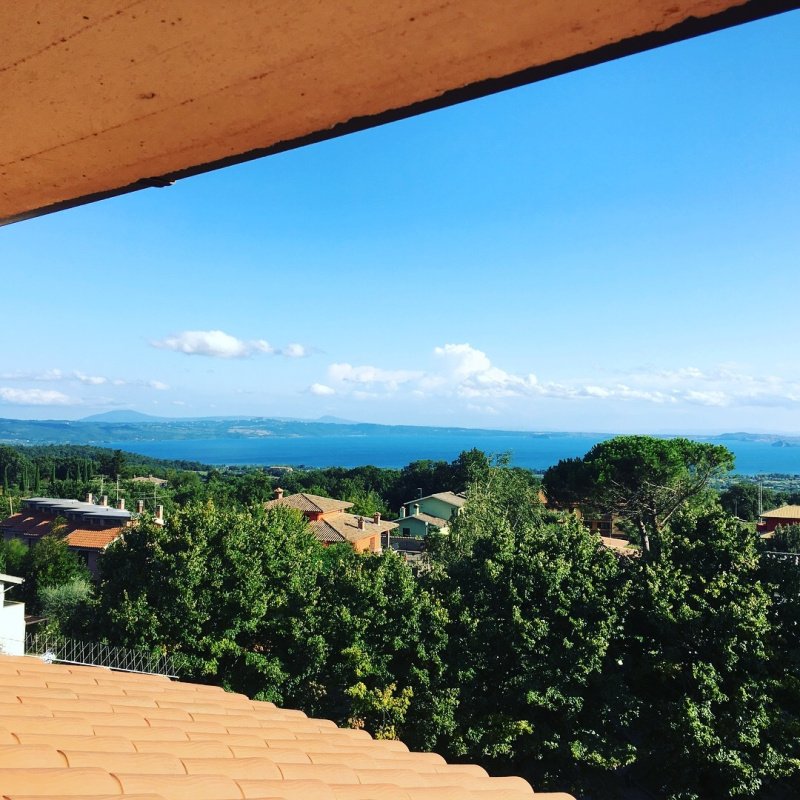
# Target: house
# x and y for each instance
(332, 524)
(12, 619)
(89, 528)
(418, 517)
(88, 732)
(785, 515)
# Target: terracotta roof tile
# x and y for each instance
(310, 502)
(86, 732)
(92, 539)
(343, 527)
(784, 512)
(36, 524)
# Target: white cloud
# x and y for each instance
(89, 380)
(321, 390)
(216, 344)
(372, 377)
(295, 350)
(34, 397)
(468, 373)
(158, 385)
(463, 360)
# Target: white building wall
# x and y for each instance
(12, 629)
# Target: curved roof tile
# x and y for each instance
(86, 732)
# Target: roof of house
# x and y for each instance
(784, 512)
(452, 498)
(428, 518)
(310, 502)
(343, 527)
(35, 523)
(87, 732)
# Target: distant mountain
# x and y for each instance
(123, 416)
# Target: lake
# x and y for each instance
(531, 450)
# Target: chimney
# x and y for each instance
(105, 501)
(159, 515)
(90, 498)
(122, 504)
(402, 511)
(376, 517)
(361, 523)
(140, 506)
(416, 509)
(279, 493)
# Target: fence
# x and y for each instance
(73, 651)
(793, 557)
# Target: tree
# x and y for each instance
(383, 643)
(534, 606)
(697, 663)
(67, 607)
(49, 563)
(741, 500)
(781, 577)
(787, 538)
(641, 478)
(12, 557)
(228, 592)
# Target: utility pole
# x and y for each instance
(117, 497)
(760, 499)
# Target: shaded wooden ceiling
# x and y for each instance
(101, 97)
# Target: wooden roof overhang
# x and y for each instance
(101, 97)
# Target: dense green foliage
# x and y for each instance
(48, 563)
(697, 663)
(534, 603)
(640, 478)
(522, 643)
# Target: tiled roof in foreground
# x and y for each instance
(87, 732)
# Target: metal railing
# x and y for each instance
(72, 651)
(794, 557)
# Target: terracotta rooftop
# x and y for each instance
(87, 732)
(35, 524)
(343, 527)
(310, 502)
(784, 512)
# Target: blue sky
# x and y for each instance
(616, 249)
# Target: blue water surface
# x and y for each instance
(534, 451)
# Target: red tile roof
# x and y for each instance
(343, 527)
(86, 732)
(29, 523)
(310, 502)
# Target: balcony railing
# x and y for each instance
(72, 651)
